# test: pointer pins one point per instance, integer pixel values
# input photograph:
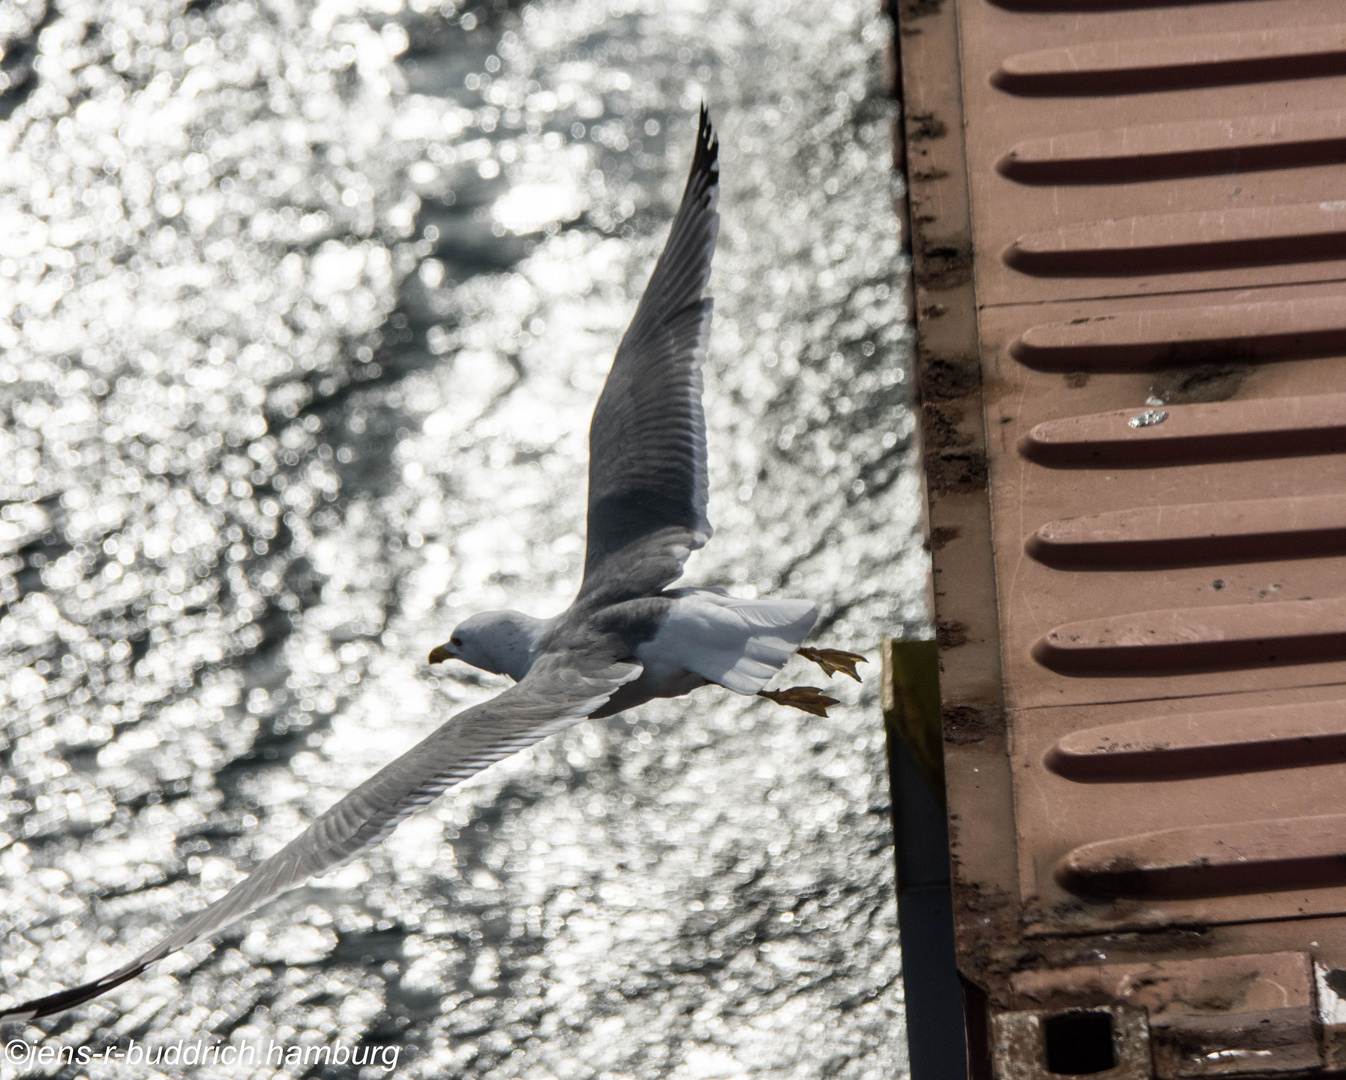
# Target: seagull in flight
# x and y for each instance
(626, 638)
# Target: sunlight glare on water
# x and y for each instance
(303, 311)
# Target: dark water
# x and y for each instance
(303, 310)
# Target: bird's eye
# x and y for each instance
(456, 641)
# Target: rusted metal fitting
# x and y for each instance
(1109, 1043)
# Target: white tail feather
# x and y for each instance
(739, 644)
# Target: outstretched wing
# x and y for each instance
(562, 689)
(647, 440)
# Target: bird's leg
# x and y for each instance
(808, 698)
(834, 660)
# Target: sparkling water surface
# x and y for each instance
(303, 311)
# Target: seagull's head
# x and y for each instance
(500, 642)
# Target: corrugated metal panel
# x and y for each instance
(1129, 237)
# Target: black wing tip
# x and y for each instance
(66, 999)
(706, 160)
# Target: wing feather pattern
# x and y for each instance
(558, 692)
(646, 514)
(647, 440)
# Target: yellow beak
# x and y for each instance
(440, 653)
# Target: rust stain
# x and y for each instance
(968, 724)
(922, 126)
(942, 265)
(1207, 382)
(939, 422)
(947, 377)
(911, 10)
(952, 473)
(942, 534)
(950, 634)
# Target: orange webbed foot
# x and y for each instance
(808, 698)
(834, 660)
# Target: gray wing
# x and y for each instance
(562, 689)
(647, 440)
